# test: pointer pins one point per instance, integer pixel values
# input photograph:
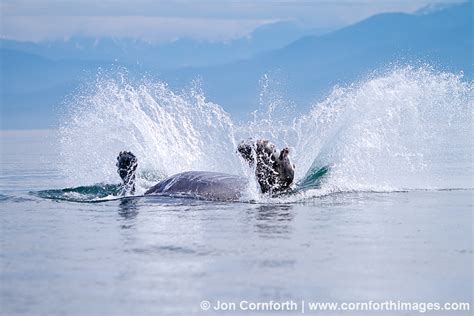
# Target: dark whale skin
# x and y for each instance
(204, 184)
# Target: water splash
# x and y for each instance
(410, 128)
(168, 132)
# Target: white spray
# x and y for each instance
(407, 129)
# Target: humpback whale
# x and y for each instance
(274, 173)
(204, 184)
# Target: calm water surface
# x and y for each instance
(163, 256)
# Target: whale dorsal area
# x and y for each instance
(205, 184)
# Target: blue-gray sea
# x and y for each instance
(390, 221)
(163, 256)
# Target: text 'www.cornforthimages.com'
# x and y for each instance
(303, 306)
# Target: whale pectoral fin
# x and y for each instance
(126, 167)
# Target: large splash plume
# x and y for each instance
(410, 128)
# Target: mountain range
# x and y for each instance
(35, 77)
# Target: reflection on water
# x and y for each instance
(274, 221)
(128, 210)
(274, 212)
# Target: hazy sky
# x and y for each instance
(167, 20)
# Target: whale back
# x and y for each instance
(202, 184)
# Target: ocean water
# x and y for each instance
(391, 219)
